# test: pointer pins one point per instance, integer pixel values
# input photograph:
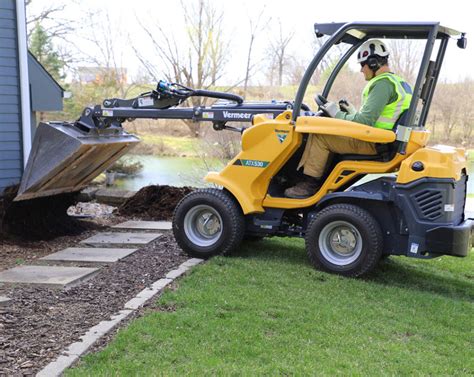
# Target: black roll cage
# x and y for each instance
(356, 33)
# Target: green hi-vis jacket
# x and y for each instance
(392, 110)
(384, 98)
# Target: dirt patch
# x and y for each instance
(154, 202)
(39, 219)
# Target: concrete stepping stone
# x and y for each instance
(87, 254)
(54, 276)
(110, 238)
(113, 197)
(4, 301)
(144, 225)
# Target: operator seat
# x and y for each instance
(385, 152)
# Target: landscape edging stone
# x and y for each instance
(75, 350)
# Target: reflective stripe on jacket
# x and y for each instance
(391, 112)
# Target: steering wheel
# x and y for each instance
(321, 101)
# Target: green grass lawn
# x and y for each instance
(266, 311)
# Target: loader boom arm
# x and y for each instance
(161, 104)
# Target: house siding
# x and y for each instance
(11, 160)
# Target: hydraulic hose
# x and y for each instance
(208, 93)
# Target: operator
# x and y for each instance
(385, 97)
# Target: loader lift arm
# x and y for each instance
(160, 104)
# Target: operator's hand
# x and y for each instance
(330, 108)
(347, 106)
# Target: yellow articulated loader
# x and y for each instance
(415, 208)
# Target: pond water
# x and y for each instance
(172, 171)
(188, 171)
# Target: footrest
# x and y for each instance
(360, 157)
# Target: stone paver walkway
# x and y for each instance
(108, 247)
(144, 225)
(110, 238)
(60, 277)
(90, 254)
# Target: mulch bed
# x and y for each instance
(39, 322)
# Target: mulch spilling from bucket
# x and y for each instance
(39, 219)
(154, 202)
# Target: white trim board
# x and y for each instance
(24, 79)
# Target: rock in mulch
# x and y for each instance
(154, 202)
(88, 209)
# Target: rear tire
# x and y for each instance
(208, 222)
(344, 239)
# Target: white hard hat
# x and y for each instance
(372, 48)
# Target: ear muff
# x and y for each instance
(373, 64)
(372, 61)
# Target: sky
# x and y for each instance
(127, 19)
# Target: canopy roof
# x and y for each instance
(366, 30)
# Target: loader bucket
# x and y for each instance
(64, 158)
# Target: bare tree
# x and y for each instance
(256, 26)
(451, 118)
(102, 58)
(296, 69)
(277, 51)
(218, 46)
(405, 58)
(103, 53)
(449, 108)
(201, 63)
(329, 60)
(466, 88)
(51, 17)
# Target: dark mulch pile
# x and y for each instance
(154, 202)
(39, 219)
(41, 322)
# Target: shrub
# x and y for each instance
(127, 166)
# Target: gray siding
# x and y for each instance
(10, 110)
(46, 93)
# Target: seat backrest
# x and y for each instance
(388, 151)
(401, 120)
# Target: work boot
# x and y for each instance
(304, 189)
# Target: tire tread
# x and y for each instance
(232, 209)
(375, 239)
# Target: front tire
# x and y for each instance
(344, 239)
(208, 222)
